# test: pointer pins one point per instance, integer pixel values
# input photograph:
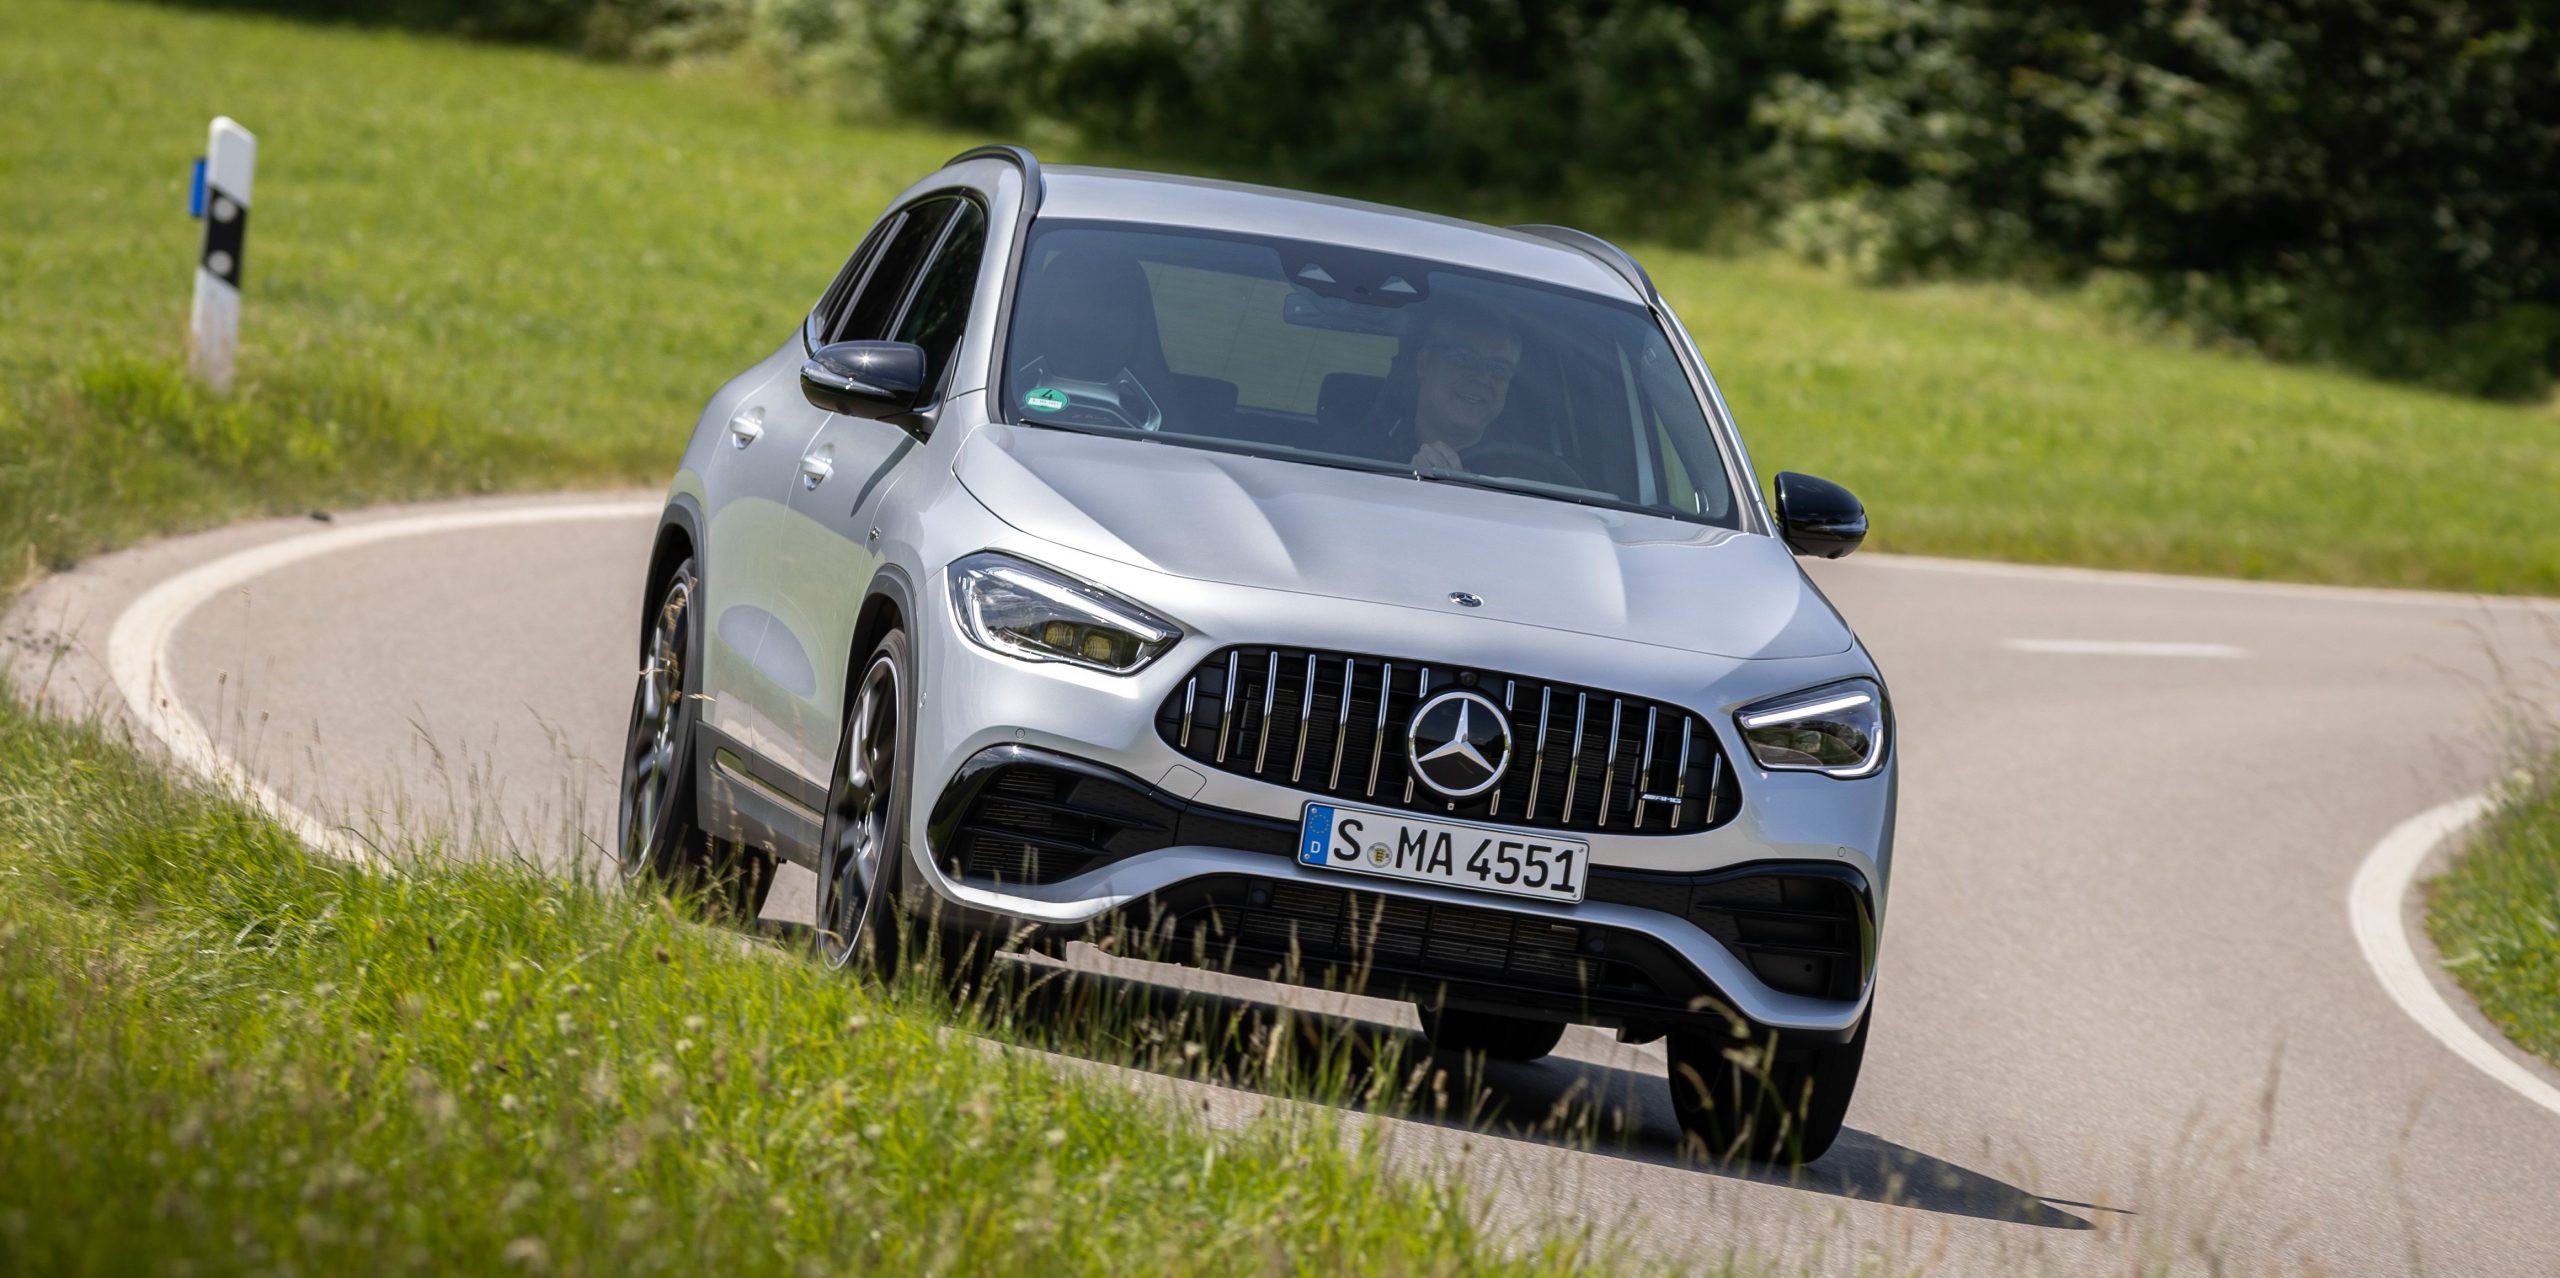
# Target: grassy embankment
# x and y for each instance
(225, 1055)
(2495, 914)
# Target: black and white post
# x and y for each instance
(213, 329)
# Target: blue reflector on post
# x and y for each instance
(195, 191)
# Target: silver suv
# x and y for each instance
(1319, 589)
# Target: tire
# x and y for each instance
(861, 843)
(1783, 1110)
(1489, 1034)
(656, 838)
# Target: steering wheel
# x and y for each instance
(1122, 401)
(1520, 461)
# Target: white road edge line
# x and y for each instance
(2124, 648)
(2306, 590)
(2374, 910)
(138, 643)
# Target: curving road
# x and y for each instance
(2124, 1023)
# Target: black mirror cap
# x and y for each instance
(1818, 517)
(865, 379)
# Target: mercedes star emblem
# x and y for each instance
(1460, 742)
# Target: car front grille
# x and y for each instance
(1333, 723)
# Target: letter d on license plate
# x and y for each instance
(1481, 858)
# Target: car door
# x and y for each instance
(851, 467)
(769, 431)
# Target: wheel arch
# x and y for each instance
(679, 538)
(891, 603)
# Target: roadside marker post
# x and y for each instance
(220, 195)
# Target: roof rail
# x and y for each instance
(1608, 254)
(1019, 156)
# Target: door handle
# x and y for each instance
(746, 428)
(814, 471)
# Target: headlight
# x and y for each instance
(1039, 614)
(1837, 729)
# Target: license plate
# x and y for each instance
(1480, 858)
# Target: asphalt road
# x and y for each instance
(2123, 1023)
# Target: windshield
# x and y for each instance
(1343, 357)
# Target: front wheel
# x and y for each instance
(1765, 1101)
(860, 847)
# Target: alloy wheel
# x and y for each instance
(859, 832)
(654, 754)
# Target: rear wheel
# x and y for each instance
(656, 838)
(1766, 1102)
(1490, 1034)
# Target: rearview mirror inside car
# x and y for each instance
(1817, 517)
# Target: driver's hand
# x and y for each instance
(1437, 454)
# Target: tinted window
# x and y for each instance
(940, 308)
(872, 308)
(830, 308)
(1348, 357)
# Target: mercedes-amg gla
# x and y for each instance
(1322, 590)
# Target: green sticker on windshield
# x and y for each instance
(1044, 400)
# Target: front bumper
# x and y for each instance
(1221, 859)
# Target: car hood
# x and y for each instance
(1345, 534)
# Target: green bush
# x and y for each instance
(2361, 184)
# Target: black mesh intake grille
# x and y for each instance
(1285, 922)
(1026, 823)
(1334, 723)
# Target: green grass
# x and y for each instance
(224, 1055)
(2495, 915)
(478, 267)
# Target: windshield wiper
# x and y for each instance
(1527, 488)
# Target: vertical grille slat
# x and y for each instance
(1378, 740)
(1644, 767)
(1227, 715)
(1342, 723)
(1279, 710)
(1573, 764)
(1538, 757)
(1270, 689)
(1306, 711)
(1421, 693)
(1609, 762)
(1680, 791)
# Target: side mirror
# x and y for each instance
(864, 379)
(1818, 517)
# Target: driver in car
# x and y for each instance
(1462, 377)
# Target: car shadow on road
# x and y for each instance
(1606, 1109)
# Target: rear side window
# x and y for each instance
(939, 311)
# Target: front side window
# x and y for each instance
(1343, 357)
(873, 302)
(939, 309)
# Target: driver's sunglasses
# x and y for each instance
(1467, 361)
